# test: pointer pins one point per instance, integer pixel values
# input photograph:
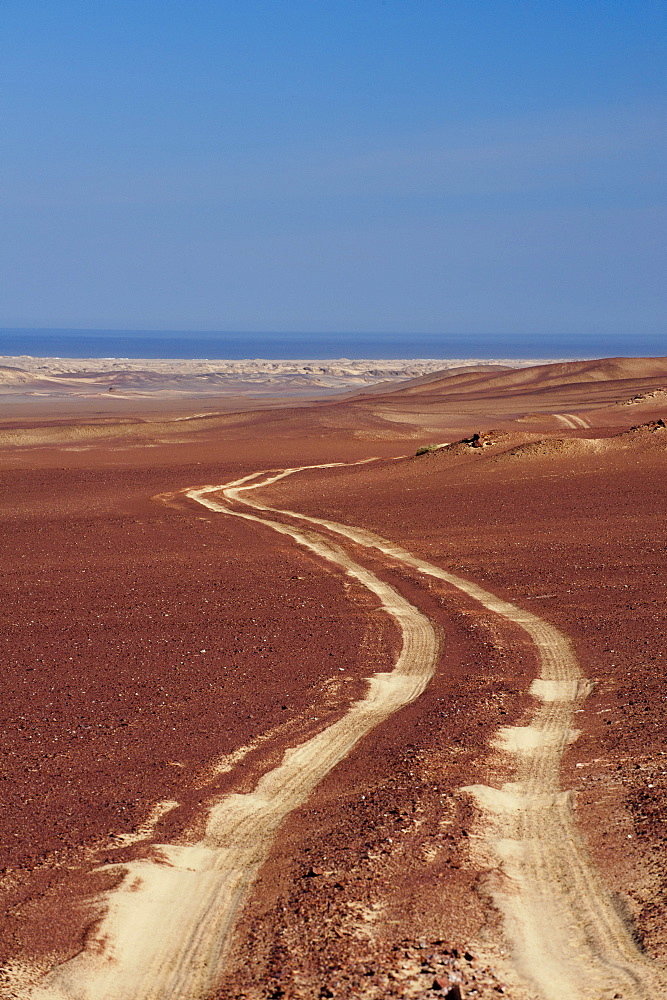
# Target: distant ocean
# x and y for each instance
(183, 344)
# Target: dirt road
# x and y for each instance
(165, 928)
(567, 935)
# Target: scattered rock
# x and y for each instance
(643, 397)
(650, 425)
(452, 991)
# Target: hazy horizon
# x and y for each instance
(335, 167)
(314, 345)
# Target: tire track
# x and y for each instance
(568, 936)
(572, 421)
(165, 929)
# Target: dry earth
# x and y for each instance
(61, 380)
(162, 656)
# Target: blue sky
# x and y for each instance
(375, 165)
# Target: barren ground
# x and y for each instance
(159, 656)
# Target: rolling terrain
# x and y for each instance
(394, 724)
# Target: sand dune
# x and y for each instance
(573, 394)
(123, 377)
(541, 377)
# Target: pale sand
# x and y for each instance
(123, 377)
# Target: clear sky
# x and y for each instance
(366, 165)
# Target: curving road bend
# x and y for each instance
(165, 929)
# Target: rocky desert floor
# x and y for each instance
(389, 727)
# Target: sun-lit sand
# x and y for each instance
(122, 376)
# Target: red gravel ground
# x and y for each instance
(144, 641)
(581, 540)
(141, 643)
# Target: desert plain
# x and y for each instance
(341, 683)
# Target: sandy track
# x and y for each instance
(568, 936)
(572, 421)
(166, 926)
(165, 929)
